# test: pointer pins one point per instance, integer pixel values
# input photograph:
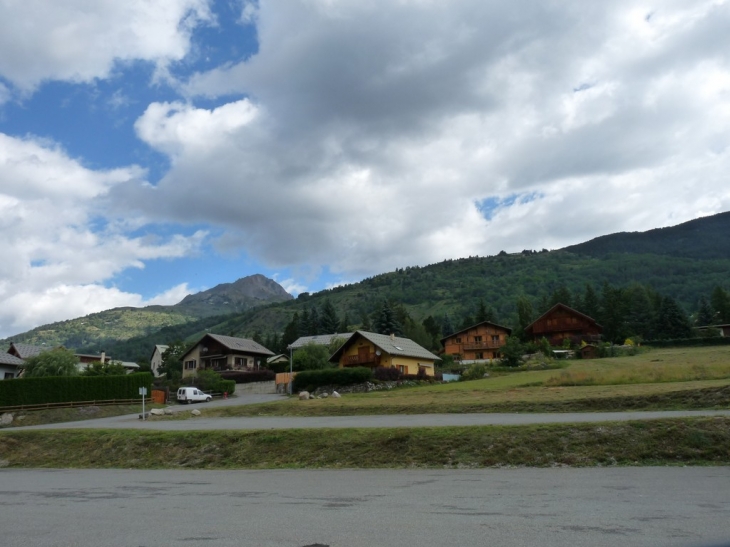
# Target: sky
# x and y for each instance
(152, 149)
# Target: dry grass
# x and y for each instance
(699, 441)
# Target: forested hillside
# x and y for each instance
(632, 290)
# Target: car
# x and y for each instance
(192, 395)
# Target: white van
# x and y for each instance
(191, 395)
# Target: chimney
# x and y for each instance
(103, 357)
(392, 336)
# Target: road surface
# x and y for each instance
(601, 507)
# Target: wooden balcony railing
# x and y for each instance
(471, 346)
(355, 360)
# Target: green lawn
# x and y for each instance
(658, 379)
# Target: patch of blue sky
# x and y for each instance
(230, 40)
(490, 206)
(93, 122)
(199, 272)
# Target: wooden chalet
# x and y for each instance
(561, 322)
(476, 343)
(218, 352)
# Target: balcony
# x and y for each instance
(476, 346)
(370, 359)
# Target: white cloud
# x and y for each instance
(26, 309)
(60, 243)
(82, 40)
(293, 287)
(371, 130)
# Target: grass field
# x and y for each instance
(698, 441)
(659, 379)
(60, 415)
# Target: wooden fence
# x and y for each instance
(72, 404)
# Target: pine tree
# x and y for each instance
(291, 331)
(591, 302)
(328, 320)
(524, 311)
(640, 317)
(705, 315)
(561, 295)
(672, 322)
(304, 324)
(365, 323)
(344, 325)
(385, 322)
(314, 326)
(613, 314)
(447, 328)
(720, 302)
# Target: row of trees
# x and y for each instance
(63, 362)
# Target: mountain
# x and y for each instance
(701, 238)
(104, 329)
(685, 262)
(247, 292)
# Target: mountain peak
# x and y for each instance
(245, 293)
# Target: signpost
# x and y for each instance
(143, 392)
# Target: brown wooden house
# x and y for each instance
(476, 343)
(561, 322)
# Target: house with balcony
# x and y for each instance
(562, 322)
(219, 353)
(480, 342)
(368, 349)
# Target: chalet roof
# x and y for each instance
(319, 340)
(162, 348)
(509, 330)
(278, 357)
(528, 328)
(24, 351)
(234, 344)
(9, 359)
(392, 346)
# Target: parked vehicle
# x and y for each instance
(191, 395)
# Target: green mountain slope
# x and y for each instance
(103, 330)
(685, 262)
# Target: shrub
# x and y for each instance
(387, 374)
(278, 367)
(247, 377)
(210, 380)
(64, 389)
(475, 371)
(312, 379)
(312, 357)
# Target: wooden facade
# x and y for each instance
(477, 343)
(217, 352)
(562, 322)
(368, 349)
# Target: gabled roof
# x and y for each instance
(319, 340)
(234, 344)
(392, 346)
(8, 359)
(528, 328)
(159, 347)
(509, 330)
(278, 357)
(24, 351)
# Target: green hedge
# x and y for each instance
(64, 389)
(312, 379)
(688, 342)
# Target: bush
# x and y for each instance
(278, 367)
(475, 371)
(312, 357)
(64, 389)
(312, 379)
(210, 380)
(247, 377)
(387, 374)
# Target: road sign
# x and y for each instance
(143, 391)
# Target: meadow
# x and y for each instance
(672, 378)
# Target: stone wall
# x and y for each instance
(257, 388)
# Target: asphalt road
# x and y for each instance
(400, 420)
(600, 507)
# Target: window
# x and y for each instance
(241, 362)
(479, 355)
(495, 338)
(189, 365)
(458, 340)
(403, 369)
(9, 375)
(477, 338)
